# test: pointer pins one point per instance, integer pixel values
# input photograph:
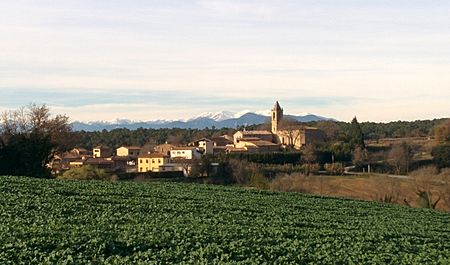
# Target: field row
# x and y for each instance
(101, 222)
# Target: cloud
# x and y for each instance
(187, 57)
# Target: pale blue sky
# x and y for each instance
(146, 60)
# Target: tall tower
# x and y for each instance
(277, 116)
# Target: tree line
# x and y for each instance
(334, 130)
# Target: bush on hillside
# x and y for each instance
(280, 158)
(334, 168)
(309, 169)
(441, 155)
(426, 179)
(85, 173)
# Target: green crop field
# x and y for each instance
(75, 222)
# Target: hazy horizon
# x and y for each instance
(147, 60)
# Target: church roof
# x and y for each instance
(277, 106)
(255, 132)
(153, 155)
(258, 142)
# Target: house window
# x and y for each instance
(146, 169)
(140, 161)
(159, 161)
(146, 160)
(153, 160)
(140, 169)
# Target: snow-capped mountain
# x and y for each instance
(217, 116)
(222, 119)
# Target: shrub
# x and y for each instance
(334, 168)
(85, 173)
(425, 180)
(311, 168)
(441, 155)
(279, 158)
(257, 180)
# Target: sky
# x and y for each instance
(379, 60)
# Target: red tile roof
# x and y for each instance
(131, 147)
(153, 155)
(256, 132)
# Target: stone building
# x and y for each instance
(283, 134)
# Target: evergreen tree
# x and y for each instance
(441, 155)
(355, 135)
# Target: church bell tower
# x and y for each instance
(277, 116)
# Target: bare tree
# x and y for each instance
(360, 156)
(400, 156)
(291, 131)
(240, 171)
(309, 154)
(442, 132)
(29, 137)
(425, 180)
(37, 119)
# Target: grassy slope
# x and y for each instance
(51, 221)
(364, 187)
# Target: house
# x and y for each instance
(126, 164)
(79, 162)
(152, 162)
(185, 152)
(262, 135)
(260, 145)
(204, 145)
(80, 152)
(300, 137)
(128, 151)
(221, 141)
(101, 151)
(65, 161)
(164, 148)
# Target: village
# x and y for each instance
(174, 158)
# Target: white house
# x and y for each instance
(185, 152)
(205, 146)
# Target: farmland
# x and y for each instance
(54, 221)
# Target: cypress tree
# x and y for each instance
(356, 136)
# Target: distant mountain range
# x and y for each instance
(223, 119)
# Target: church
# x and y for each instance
(283, 134)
